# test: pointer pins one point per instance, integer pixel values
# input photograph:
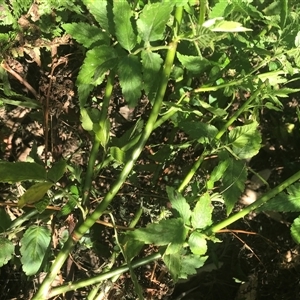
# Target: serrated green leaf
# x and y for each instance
(5, 220)
(214, 110)
(203, 132)
(162, 233)
(124, 25)
(118, 154)
(42, 204)
(153, 19)
(190, 264)
(202, 213)
(85, 33)
(173, 263)
(288, 201)
(68, 207)
(12, 172)
(34, 245)
(197, 243)
(217, 173)
(7, 249)
(179, 203)
(97, 62)
(57, 170)
(131, 247)
(35, 193)
(151, 64)
(233, 180)
(295, 230)
(194, 64)
(130, 75)
(102, 12)
(102, 132)
(246, 140)
(218, 9)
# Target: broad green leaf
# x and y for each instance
(102, 132)
(68, 207)
(151, 64)
(124, 25)
(162, 233)
(42, 204)
(7, 249)
(202, 132)
(86, 121)
(35, 193)
(202, 213)
(19, 171)
(57, 170)
(288, 201)
(180, 204)
(34, 245)
(5, 220)
(153, 19)
(217, 173)
(97, 62)
(246, 140)
(218, 9)
(194, 64)
(130, 75)
(295, 230)
(230, 26)
(102, 12)
(297, 40)
(197, 243)
(173, 263)
(233, 180)
(190, 264)
(118, 154)
(214, 110)
(85, 33)
(131, 247)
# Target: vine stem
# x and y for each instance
(84, 226)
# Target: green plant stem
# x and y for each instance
(96, 144)
(83, 227)
(224, 128)
(202, 12)
(242, 213)
(118, 271)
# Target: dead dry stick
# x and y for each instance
(5, 66)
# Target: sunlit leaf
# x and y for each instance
(197, 243)
(35, 193)
(202, 213)
(180, 204)
(295, 230)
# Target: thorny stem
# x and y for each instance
(82, 228)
